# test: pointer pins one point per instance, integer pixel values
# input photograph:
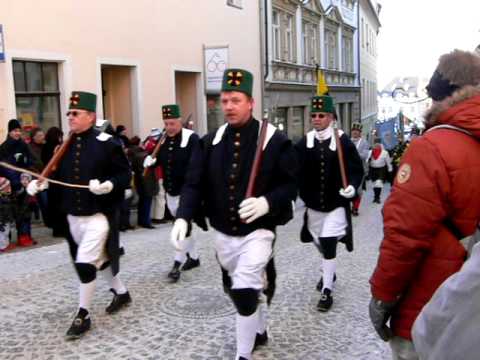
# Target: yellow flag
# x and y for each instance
(322, 87)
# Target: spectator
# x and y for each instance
(15, 152)
(53, 218)
(146, 187)
(121, 133)
(24, 204)
(35, 146)
(435, 202)
(37, 141)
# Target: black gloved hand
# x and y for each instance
(380, 313)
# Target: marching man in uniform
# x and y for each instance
(327, 218)
(244, 227)
(174, 156)
(380, 165)
(96, 160)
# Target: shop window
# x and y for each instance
(280, 119)
(296, 125)
(37, 95)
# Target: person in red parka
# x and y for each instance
(435, 202)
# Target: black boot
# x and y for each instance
(190, 263)
(80, 325)
(174, 274)
(376, 192)
(119, 301)
(326, 301)
(260, 340)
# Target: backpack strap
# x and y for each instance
(448, 222)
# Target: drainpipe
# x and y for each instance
(359, 29)
(264, 70)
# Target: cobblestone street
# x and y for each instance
(192, 319)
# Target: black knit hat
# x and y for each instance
(14, 124)
(119, 129)
(454, 71)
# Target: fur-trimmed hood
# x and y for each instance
(462, 109)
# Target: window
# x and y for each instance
(37, 97)
(367, 34)
(306, 53)
(296, 125)
(347, 53)
(309, 44)
(362, 29)
(289, 37)
(276, 35)
(331, 49)
(363, 95)
(235, 3)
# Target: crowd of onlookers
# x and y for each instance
(32, 150)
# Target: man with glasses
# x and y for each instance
(96, 160)
(244, 227)
(327, 217)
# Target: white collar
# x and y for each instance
(221, 130)
(323, 135)
(186, 133)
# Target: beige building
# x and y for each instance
(135, 55)
(369, 28)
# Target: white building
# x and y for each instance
(369, 26)
(406, 96)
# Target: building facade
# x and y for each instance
(299, 35)
(405, 99)
(369, 27)
(135, 56)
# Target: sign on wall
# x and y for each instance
(2, 45)
(216, 61)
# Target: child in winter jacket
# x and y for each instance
(23, 212)
(6, 214)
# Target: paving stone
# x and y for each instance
(192, 319)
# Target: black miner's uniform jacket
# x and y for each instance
(220, 173)
(320, 180)
(90, 156)
(174, 159)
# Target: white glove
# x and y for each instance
(178, 234)
(100, 188)
(35, 187)
(149, 161)
(128, 194)
(253, 208)
(348, 193)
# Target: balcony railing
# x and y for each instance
(305, 75)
